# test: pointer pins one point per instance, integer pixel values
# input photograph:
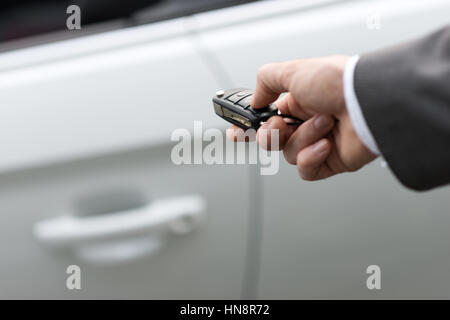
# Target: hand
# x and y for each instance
(326, 143)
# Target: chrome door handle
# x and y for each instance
(94, 237)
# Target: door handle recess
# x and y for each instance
(96, 237)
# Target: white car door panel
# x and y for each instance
(328, 233)
(105, 100)
(319, 238)
(86, 176)
(124, 265)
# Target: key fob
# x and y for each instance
(234, 106)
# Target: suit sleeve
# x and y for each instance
(404, 94)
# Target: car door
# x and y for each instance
(92, 206)
(318, 239)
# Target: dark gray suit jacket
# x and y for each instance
(404, 94)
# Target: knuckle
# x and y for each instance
(289, 70)
(263, 70)
(307, 132)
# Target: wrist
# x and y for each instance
(355, 150)
(340, 63)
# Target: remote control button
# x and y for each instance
(244, 103)
(239, 95)
(230, 92)
(270, 109)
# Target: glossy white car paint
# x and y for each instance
(85, 129)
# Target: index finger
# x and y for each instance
(272, 80)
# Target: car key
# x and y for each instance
(234, 106)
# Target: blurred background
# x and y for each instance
(86, 176)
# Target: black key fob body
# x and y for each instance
(234, 106)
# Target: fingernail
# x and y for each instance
(321, 146)
(322, 122)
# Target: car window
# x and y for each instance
(30, 22)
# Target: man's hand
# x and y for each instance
(326, 143)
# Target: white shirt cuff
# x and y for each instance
(354, 109)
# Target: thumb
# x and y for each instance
(271, 81)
